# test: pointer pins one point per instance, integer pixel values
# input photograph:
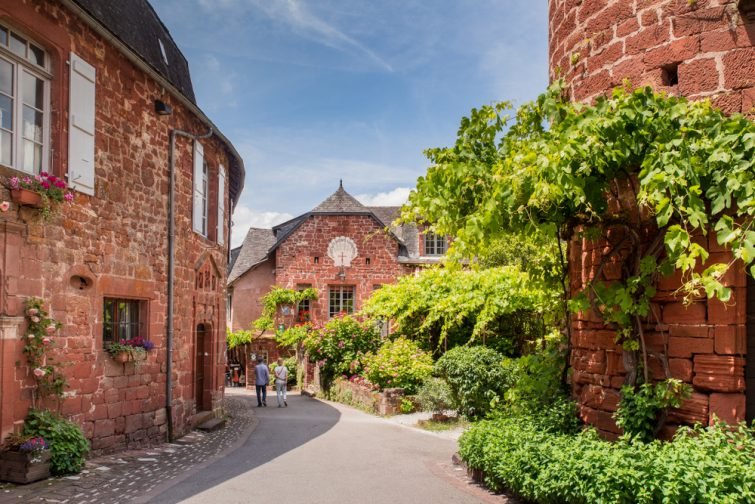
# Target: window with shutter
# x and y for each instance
(81, 126)
(24, 103)
(221, 205)
(200, 190)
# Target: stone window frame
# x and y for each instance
(337, 301)
(142, 305)
(304, 304)
(25, 65)
(435, 244)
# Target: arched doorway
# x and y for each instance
(202, 368)
(750, 362)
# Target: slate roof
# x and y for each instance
(254, 250)
(340, 202)
(136, 24)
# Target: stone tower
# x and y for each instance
(699, 49)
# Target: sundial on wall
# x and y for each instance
(342, 250)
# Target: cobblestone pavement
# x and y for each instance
(132, 476)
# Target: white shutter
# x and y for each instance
(198, 212)
(81, 126)
(221, 205)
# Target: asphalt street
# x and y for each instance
(320, 452)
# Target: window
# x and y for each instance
(24, 103)
(341, 299)
(435, 245)
(201, 207)
(123, 319)
(221, 205)
(304, 310)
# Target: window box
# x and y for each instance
(26, 197)
(24, 467)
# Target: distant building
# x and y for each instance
(91, 91)
(342, 248)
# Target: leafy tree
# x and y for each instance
(502, 307)
(641, 174)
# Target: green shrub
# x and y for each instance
(290, 364)
(477, 377)
(67, 442)
(704, 464)
(537, 375)
(640, 410)
(340, 346)
(406, 406)
(398, 363)
(435, 395)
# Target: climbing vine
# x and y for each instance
(38, 344)
(639, 175)
(277, 297)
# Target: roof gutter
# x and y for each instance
(137, 60)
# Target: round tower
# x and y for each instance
(694, 48)
(699, 49)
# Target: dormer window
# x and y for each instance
(24, 103)
(435, 245)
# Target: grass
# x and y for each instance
(436, 426)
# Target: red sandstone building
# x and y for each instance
(701, 49)
(96, 92)
(342, 248)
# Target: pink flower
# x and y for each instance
(39, 372)
(51, 329)
(32, 311)
(60, 184)
(44, 174)
(46, 184)
(27, 181)
(68, 196)
(36, 319)
(14, 182)
(4, 206)
(46, 340)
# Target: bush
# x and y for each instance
(477, 378)
(641, 412)
(704, 464)
(290, 364)
(340, 346)
(435, 395)
(399, 363)
(406, 406)
(67, 442)
(537, 375)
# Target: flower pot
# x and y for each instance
(24, 467)
(140, 356)
(122, 357)
(26, 197)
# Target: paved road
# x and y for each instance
(319, 452)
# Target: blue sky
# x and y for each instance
(312, 91)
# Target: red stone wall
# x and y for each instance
(116, 239)
(295, 258)
(248, 291)
(594, 46)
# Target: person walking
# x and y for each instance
(281, 381)
(262, 378)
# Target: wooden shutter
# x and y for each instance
(199, 208)
(221, 205)
(81, 126)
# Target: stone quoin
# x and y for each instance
(700, 49)
(113, 87)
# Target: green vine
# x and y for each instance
(277, 297)
(640, 175)
(39, 342)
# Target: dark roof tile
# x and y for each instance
(254, 250)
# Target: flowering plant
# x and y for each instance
(38, 345)
(52, 189)
(133, 346)
(34, 445)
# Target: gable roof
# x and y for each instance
(136, 24)
(340, 202)
(253, 251)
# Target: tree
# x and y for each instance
(641, 173)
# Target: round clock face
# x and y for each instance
(342, 250)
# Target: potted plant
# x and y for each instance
(25, 459)
(41, 191)
(129, 350)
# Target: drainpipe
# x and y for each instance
(172, 270)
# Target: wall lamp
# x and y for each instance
(162, 108)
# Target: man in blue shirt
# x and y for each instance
(262, 378)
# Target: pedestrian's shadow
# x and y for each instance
(280, 430)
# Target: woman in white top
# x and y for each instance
(281, 379)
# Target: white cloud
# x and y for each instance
(396, 197)
(245, 217)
